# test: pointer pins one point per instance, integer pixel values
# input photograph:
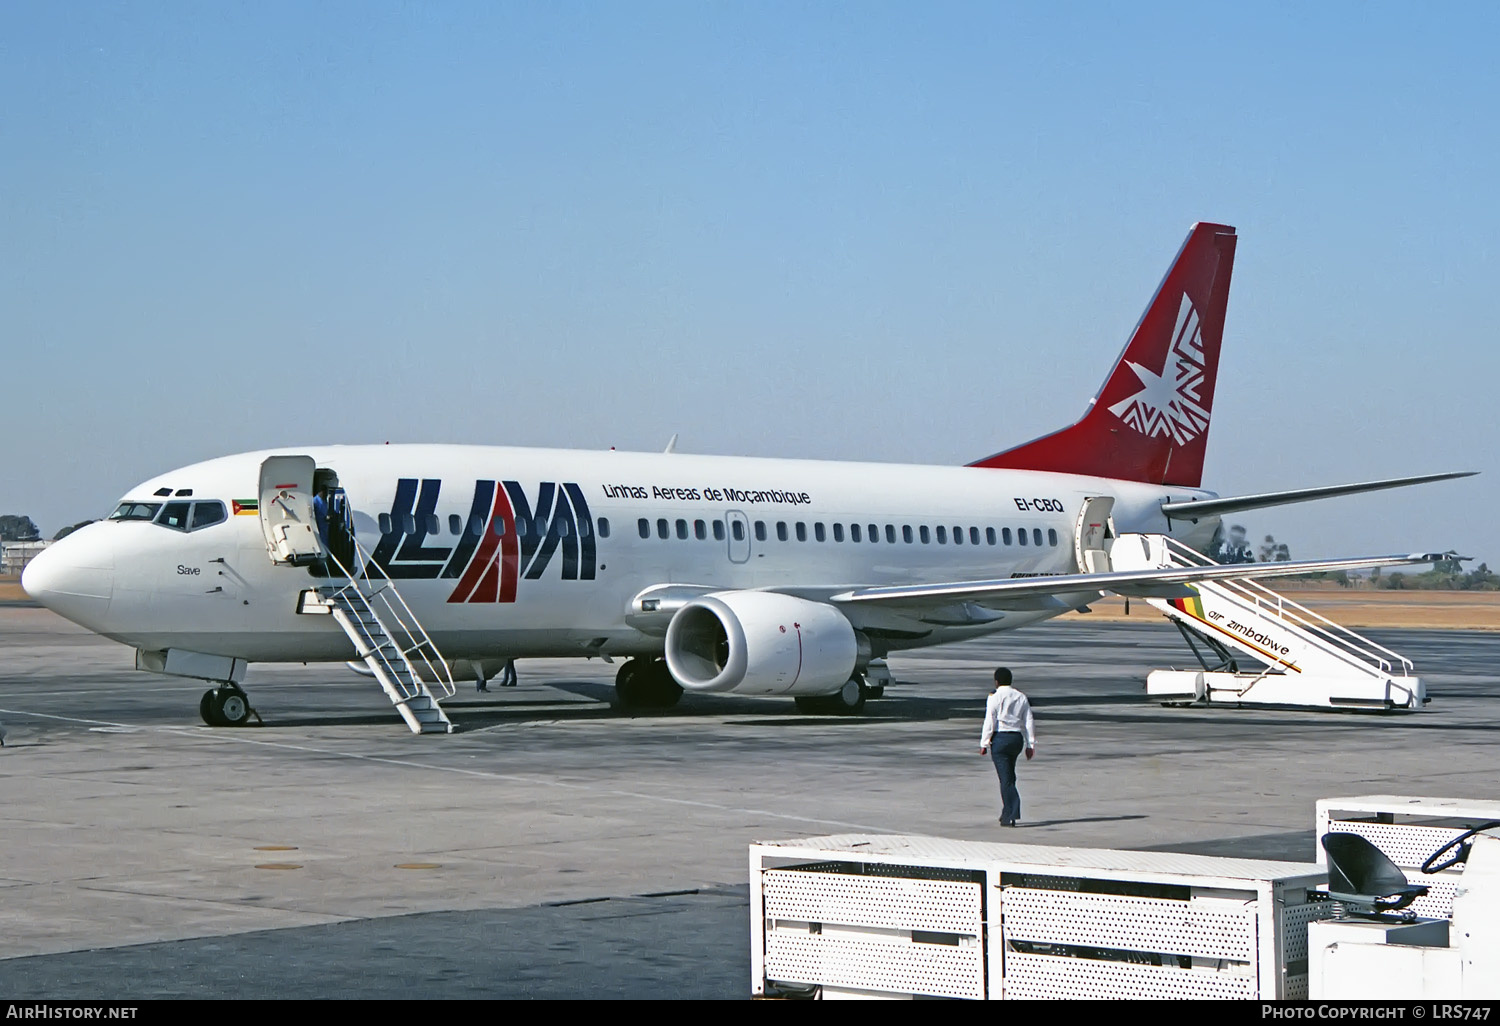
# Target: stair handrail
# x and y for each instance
(420, 642)
(1314, 622)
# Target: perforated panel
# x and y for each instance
(878, 901)
(1054, 976)
(1128, 923)
(1437, 903)
(937, 970)
(1294, 920)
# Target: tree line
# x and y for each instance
(16, 528)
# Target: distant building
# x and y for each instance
(14, 555)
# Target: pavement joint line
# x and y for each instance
(237, 905)
(194, 732)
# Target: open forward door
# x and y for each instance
(286, 510)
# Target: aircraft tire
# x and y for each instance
(631, 685)
(662, 691)
(847, 701)
(230, 707)
(850, 698)
(206, 709)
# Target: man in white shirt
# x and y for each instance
(1008, 730)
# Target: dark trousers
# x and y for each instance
(1005, 747)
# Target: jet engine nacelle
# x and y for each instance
(760, 643)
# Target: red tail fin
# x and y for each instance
(1150, 420)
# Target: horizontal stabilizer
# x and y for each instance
(1240, 503)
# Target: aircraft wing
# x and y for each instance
(1069, 590)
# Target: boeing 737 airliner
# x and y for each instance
(715, 574)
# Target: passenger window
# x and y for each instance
(781, 530)
(662, 530)
(1052, 537)
(700, 530)
(1005, 535)
(455, 523)
(801, 531)
(905, 533)
(476, 525)
(719, 530)
(1021, 536)
(926, 534)
(498, 527)
(560, 527)
(206, 514)
(760, 530)
(584, 530)
(644, 526)
(974, 536)
(175, 515)
(433, 527)
(737, 528)
(408, 524)
(603, 528)
(942, 535)
(385, 523)
(854, 532)
(818, 532)
(875, 533)
(1036, 535)
(682, 530)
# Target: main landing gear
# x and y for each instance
(646, 683)
(226, 706)
(847, 701)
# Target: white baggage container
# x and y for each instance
(857, 915)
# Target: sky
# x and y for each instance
(870, 231)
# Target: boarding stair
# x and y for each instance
(389, 639)
(1306, 659)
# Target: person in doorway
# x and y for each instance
(508, 674)
(1008, 731)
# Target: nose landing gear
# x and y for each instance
(226, 706)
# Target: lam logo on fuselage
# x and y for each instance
(505, 539)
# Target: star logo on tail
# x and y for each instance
(1170, 403)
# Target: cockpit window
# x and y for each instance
(179, 516)
(206, 514)
(136, 511)
(175, 515)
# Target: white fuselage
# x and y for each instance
(216, 590)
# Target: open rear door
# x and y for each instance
(286, 510)
(1094, 535)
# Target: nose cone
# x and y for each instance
(75, 577)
